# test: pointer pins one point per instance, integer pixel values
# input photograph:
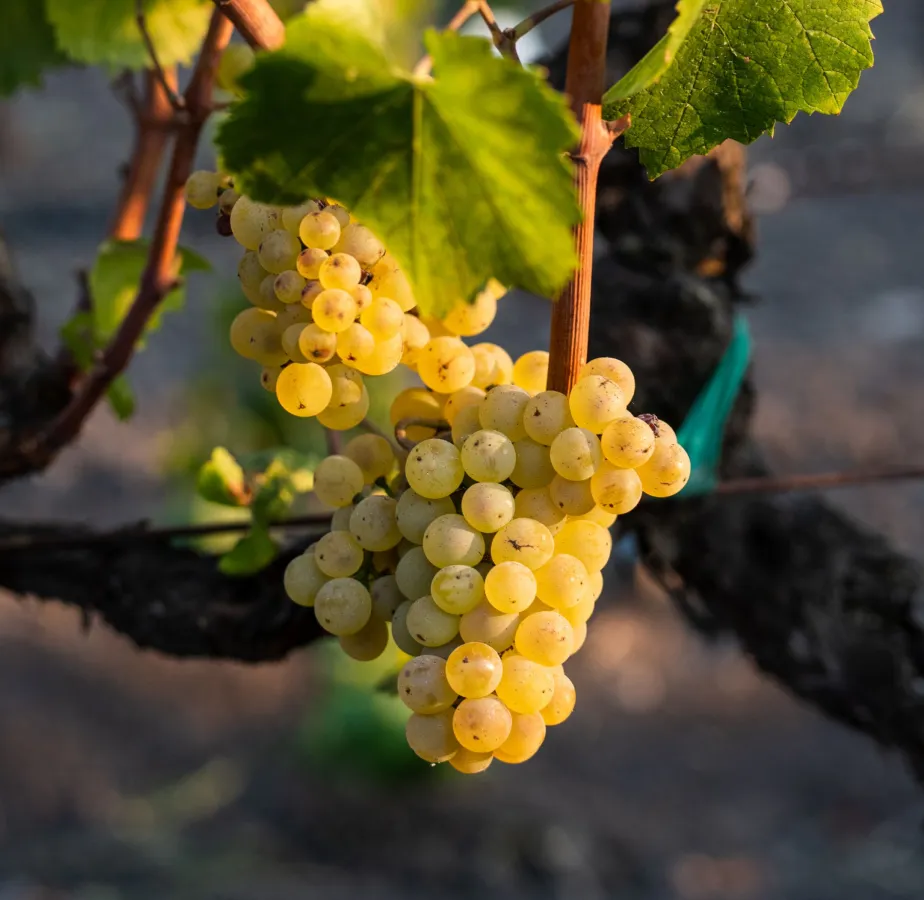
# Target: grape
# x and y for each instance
(487, 506)
(562, 581)
(562, 703)
(526, 686)
(469, 762)
(451, 541)
(255, 335)
(432, 737)
(290, 338)
(446, 365)
(386, 597)
(414, 574)
(434, 468)
(628, 442)
(373, 523)
(574, 498)
(468, 396)
(493, 366)
(267, 295)
(349, 401)
(468, 319)
(616, 490)
(536, 503)
(292, 217)
(481, 724)
(362, 295)
(309, 262)
(342, 606)
(414, 513)
(416, 403)
(317, 344)
(399, 633)
(531, 371)
(293, 314)
(340, 213)
(474, 670)
(580, 636)
(226, 200)
(340, 520)
(310, 293)
(279, 251)
(303, 579)
(534, 466)
(355, 343)
(251, 222)
(202, 189)
(510, 587)
(429, 625)
(489, 626)
(457, 589)
(423, 686)
(389, 281)
(251, 274)
(268, 378)
(337, 480)
(338, 555)
(575, 454)
(444, 650)
(589, 542)
(667, 472)
(665, 434)
(383, 318)
(616, 371)
(600, 516)
(526, 736)
(303, 389)
(581, 611)
(488, 456)
(319, 230)
(546, 416)
(595, 585)
(236, 60)
(595, 401)
(340, 271)
(288, 286)
(416, 337)
(385, 356)
(361, 243)
(368, 643)
(373, 454)
(465, 424)
(502, 410)
(334, 310)
(525, 541)
(545, 637)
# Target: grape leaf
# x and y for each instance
(106, 31)
(743, 66)
(121, 398)
(253, 552)
(221, 479)
(27, 44)
(463, 176)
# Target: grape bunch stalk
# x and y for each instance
(476, 542)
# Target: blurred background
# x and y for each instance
(682, 774)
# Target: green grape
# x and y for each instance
(429, 625)
(451, 541)
(337, 480)
(278, 251)
(303, 579)
(349, 400)
(340, 520)
(290, 338)
(487, 625)
(600, 516)
(389, 281)
(667, 472)
(255, 334)
(510, 587)
(493, 366)
(573, 498)
(537, 503)
(316, 344)
(226, 200)
(251, 274)
(385, 356)
(235, 61)
(628, 442)
(416, 336)
(526, 736)
(303, 389)
(470, 762)
(293, 314)
(417, 403)
(468, 319)
(368, 643)
(334, 310)
(340, 272)
(434, 468)
(614, 369)
(319, 230)
(423, 687)
(373, 454)
(588, 541)
(595, 401)
(526, 686)
(534, 467)
(342, 606)
(363, 297)
(267, 298)
(373, 523)
(383, 318)
(455, 403)
(488, 456)
(288, 286)
(502, 410)
(361, 243)
(446, 365)
(386, 597)
(415, 513)
(562, 703)
(355, 343)
(251, 222)
(399, 633)
(414, 574)
(292, 217)
(616, 490)
(562, 582)
(338, 555)
(457, 589)
(545, 637)
(309, 263)
(465, 424)
(524, 541)
(474, 670)
(546, 416)
(481, 724)
(202, 189)
(431, 737)
(268, 378)
(575, 454)
(487, 506)
(340, 213)
(531, 371)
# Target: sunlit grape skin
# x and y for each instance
(474, 670)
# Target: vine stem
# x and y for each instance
(256, 22)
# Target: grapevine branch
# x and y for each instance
(256, 21)
(168, 85)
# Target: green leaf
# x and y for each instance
(745, 65)
(27, 44)
(121, 398)
(253, 552)
(463, 176)
(287, 474)
(221, 479)
(106, 31)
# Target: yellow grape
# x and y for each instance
(595, 401)
(562, 582)
(434, 468)
(525, 541)
(575, 454)
(267, 295)
(534, 465)
(389, 281)
(444, 650)
(368, 643)
(373, 523)
(470, 762)
(342, 606)
(589, 542)
(355, 343)
(340, 520)
(493, 366)
(536, 503)
(546, 416)
(268, 378)
(416, 403)
(432, 737)
(385, 356)
(465, 423)
(488, 456)
(303, 389)
(526, 686)
(468, 396)
(288, 286)
(334, 310)
(372, 453)
(531, 371)
(202, 189)
(340, 213)
(415, 574)
(361, 243)
(573, 498)
(487, 506)
(340, 272)
(429, 625)
(446, 365)
(614, 369)
(468, 319)
(526, 736)
(489, 626)
(303, 579)
(545, 637)
(510, 587)
(616, 490)
(399, 633)
(338, 555)
(665, 434)
(457, 589)
(666, 473)
(292, 314)
(481, 724)
(349, 400)
(580, 636)
(383, 317)
(278, 251)
(474, 670)
(290, 338)
(292, 215)
(337, 480)
(363, 296)
(415, 512)
(319, 230)
(251, 222)
(416, 337)
(600, 516)
(628, 442)
(227, 200)
(423, 686)
(595, 585)
(255, 335)
(562, 703)
(386, 597)
(502, 410)
(309, 262)
(317, 344)
(581, 611)
(451, 541)
(251, 274)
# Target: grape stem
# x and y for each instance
(256, 22)
(372, 428)
(167, 85)
(439, 425)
